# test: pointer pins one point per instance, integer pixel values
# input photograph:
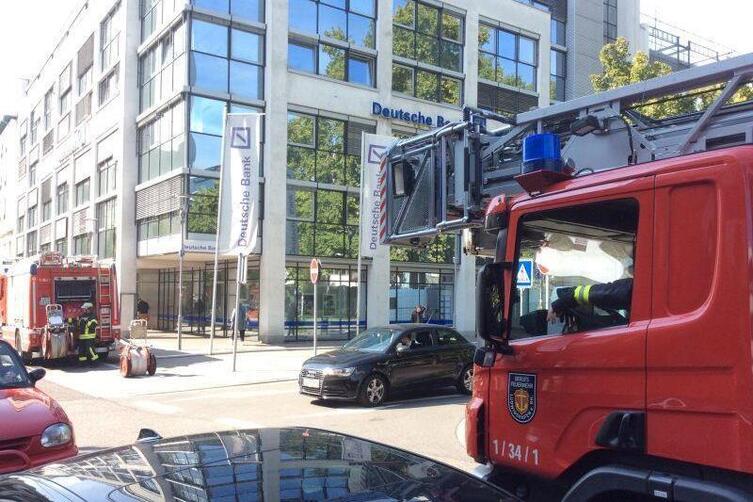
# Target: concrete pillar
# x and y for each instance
(127, 169)
(465, 295)
(272, 264)
(378, 274)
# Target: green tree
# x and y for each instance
(619, 69)
(202, 213)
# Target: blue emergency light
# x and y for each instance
(541, 152)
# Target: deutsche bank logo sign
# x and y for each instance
(240, 137)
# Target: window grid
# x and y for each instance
(154, 13)
(221, 60)
(108, 87)
(610, 21)
(106, 222)
(507, 57)
(558, 75)
(109, 39)
(82, 244)
(202, 205)
(106, 179)
(82, 192)
(323, 221)
(162, 143)
(159, 226)
(252, 10)
(61, 198)
(162, 68)
(61, 246)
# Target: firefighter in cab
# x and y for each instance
(87, 329)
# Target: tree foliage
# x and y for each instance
(619, 69)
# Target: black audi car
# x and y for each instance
(389, 359)
(270, 465)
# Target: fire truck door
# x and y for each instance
(549, 400)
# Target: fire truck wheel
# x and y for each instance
(151, 364)
(125, 366)
(465, 380)
(25, 356)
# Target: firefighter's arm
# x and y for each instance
(612, 295)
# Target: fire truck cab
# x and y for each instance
(616, 310)
(50, 285)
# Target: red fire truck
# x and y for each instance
(39, 297)
(581, 393)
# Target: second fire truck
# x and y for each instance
(41, 299)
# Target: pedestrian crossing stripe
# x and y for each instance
(524, 277)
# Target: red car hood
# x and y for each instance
(27, 412)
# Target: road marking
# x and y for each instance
(155, 407)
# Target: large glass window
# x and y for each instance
(558, 74)
(109, 39)
(507, 57)
(202, 207)
(322, 199)
(162, 68)
(106, 177)
(582, 269)
(82, 192)
(431, 35)
(251, 10)
(82, 244)
(433, 290)
(351, 21)
(336, 298)
(61, 198)
(205, 136)
(156, 12)
(158, 226)
(610, 21)
(227, 59)
(64, 102)
(106, 224)
(162, 143)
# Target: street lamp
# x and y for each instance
(184, 199)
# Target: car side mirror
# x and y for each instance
(36, 375)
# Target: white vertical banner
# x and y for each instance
(373, 148)
(238, 224)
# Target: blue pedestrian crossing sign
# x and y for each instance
(524, 276)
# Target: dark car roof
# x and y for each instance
(270, 464)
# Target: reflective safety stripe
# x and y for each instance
(586, 291)
(576, 294)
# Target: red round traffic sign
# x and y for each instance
(314, 267)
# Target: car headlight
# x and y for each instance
(343, 372)
(56, 435)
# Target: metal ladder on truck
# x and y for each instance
(441, 180)
(104, 302)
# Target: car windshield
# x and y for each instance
(12, 373)
(372, 340)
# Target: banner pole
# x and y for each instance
(238, 277)
(217, 238)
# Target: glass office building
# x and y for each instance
(320, 72)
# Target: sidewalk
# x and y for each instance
(190, 368)
(166, 344)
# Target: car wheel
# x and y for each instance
(373, 390)
(465, 380)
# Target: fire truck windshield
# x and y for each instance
(580, 256)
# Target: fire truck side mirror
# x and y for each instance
(490, 301)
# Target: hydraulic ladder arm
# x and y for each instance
(441, 180)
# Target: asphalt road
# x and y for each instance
(430, 423)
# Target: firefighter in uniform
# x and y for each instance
(87, 328)
(608, 296)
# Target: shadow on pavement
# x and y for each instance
(406, 400)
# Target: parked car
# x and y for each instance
(288, 464)
(390, 359)
(34, 428)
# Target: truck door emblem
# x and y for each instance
(521, 396)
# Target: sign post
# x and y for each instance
(314, 269)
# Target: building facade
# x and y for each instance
(120, 140)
